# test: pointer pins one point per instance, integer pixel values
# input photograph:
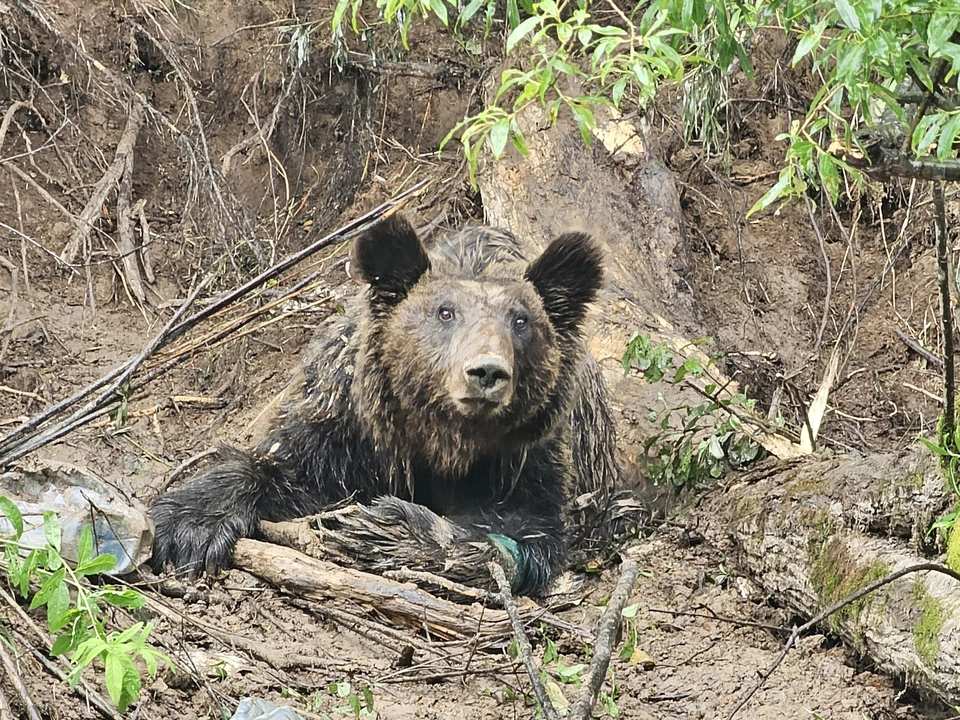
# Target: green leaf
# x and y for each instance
(927, 129)
(127, 598)
(51, 529)
(57, 606)
(47, 589)
(113, 672)
(630, 611)
(12, 513)
(499, 134)
(585, 121)
(66, 641)
(521, 31)
(571, 672)
(940, 29)
(808, 41)
(829, 177)
(439, 8)
(518, 141)
(550, 653)
(85, 546)
(849, 15)
(618, 89)
(469, 11)
(947, 137)
(99, 564)
(338, 13)
(513, 14)
(774, 193)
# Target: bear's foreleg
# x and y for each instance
(198, 525)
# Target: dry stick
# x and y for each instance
(8, 117)
(946, 314)
(172, 331)
(826, 265)
(919, 349)
(835, 608)
(607, 630)
(94, 207)
(526, 652)
(8, 325)
(14, 674)
(128, 248)
(140, 211)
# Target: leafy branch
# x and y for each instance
(79, 623)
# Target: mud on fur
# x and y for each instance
(455, 397)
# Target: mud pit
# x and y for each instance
(341, 143)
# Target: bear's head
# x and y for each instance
(458, 365)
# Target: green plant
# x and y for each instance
(344, 690)
(79, 622)
(694, 442)
(947, 449)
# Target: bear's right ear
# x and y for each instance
(392, 259)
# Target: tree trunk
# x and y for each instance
(620, 192)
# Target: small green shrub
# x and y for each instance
(695, 442)
(79, 622)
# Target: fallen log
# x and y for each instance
(820, 530)
(398, 603)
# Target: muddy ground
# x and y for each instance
(322, 147)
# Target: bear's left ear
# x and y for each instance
(391, 258)
(567, 277)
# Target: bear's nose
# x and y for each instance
(488, 374)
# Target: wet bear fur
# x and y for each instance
(457, 384)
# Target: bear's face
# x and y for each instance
(478, 350)
(469, 363)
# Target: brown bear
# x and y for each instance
(457, 384)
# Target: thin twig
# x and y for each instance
(405, 574)
(719, 618)
(835, 608)
(826, 265)
(526, 652)
(946, 313)
(919, 349)
(607, 630)
(14, 674)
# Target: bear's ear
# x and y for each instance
(391, 258)
(567, 277)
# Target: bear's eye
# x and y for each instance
(445, 314)
(520, 322)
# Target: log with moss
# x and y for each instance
(817, 531)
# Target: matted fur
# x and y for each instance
(379, 411)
